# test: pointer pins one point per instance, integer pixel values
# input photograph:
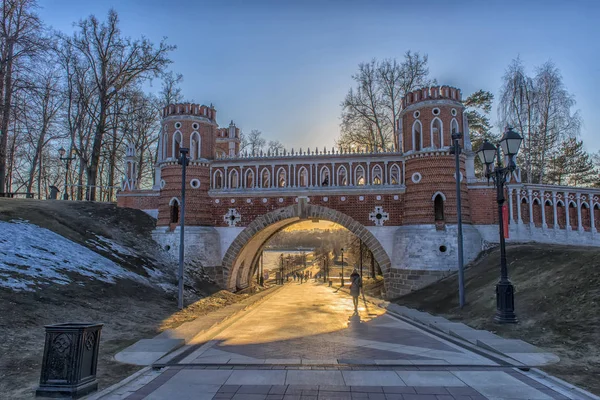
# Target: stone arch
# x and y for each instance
(395, 174)
(234, 179)
(282, 178)
(249, 179)
(324, 176)
(244, 251)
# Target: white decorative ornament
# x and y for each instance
(248, 201)
(396, 197)
(177, 125)
(379, 216)
(264, 200)
(453, 112)
(325, 199)
(232, 217)
(417, 114)
(232, 201)
(343, 198)
(195, 126)
(436, 111)
(378, 197)
(361, 198)
(217, 201)
(162, 183)
(416, 177)
(461, 176)
(195, 183)
(281, 199)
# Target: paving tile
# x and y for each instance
(228, 389)
(366, 389)
(335, 396)
(334, 388)
(183, 391)
(278, 389)
(255, 377)
(274, 397)
(246, 396)
(399, 389)
(307, 377)
(372, 378)
(462, 391)
(223, 396)
(377, 396)
(254, 389)
(431, 390)
(429, 378)
(419, 397)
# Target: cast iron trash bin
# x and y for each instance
(70, 360)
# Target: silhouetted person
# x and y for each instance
(355, 285)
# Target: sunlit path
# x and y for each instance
(305, 342)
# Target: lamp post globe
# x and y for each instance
(510, 142)
(487, 153)
(62, 152)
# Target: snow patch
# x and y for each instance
(30, 255)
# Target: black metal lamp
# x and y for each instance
(61, 154)
(487, 153)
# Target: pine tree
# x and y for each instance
(572, 165)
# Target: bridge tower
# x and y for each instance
(193, 126)
(428, 238)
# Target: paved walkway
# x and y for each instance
(305, 342)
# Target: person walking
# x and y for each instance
(355, 286)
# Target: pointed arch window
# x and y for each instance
(325, 176)
(281, 177)
(437, 133)
(303, 177)
(176, 144)
(249, 179)
(359, 175)
(395, 175)
(377, 175)
(218, 180)
(417, 136)
(174, 211)
(438, 206)
(165, 146)
(195, 145)
(454, 126)
(265, 180)
(234, 179)
(342, 178)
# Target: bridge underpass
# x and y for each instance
(305, 342)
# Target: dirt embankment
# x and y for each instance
(130, 309)
(557, 296)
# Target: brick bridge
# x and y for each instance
(401, 203)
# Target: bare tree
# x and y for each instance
(20, 30)
(371, 109)
(115, 62)
(252, 142)
(170, 92)
(540, 108)
(275, 147)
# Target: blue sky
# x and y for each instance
(283, 67)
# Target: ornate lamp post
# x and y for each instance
(183, 161)
(67, 160)
(488, 153)
(342, 267)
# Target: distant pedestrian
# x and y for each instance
(355, 286)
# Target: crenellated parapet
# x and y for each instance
(190, 109)
(432, 93)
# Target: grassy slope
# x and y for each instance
(557, 302)
(130, 311)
